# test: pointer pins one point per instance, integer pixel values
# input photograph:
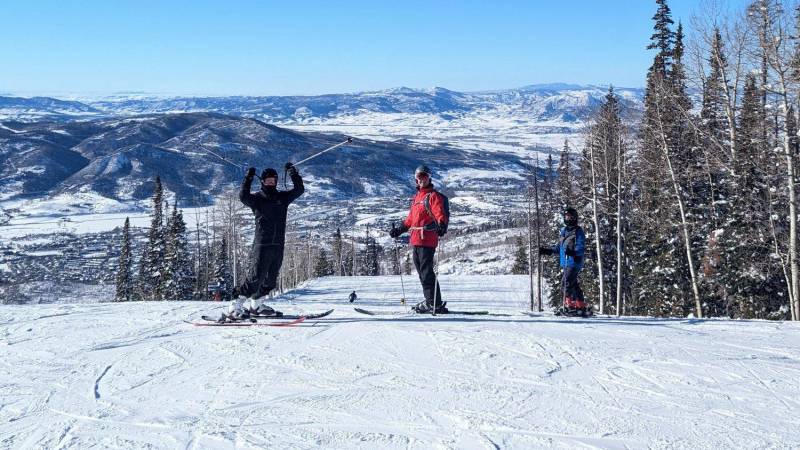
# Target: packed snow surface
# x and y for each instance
(135, 376)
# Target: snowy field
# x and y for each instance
(137, 376)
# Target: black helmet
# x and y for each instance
(570, 217)
(269, 173)
(423, 169)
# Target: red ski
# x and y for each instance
(250, 324)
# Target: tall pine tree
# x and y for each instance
(222, 272)
(566, 183)
(151, 268)
(520, 266)
(124, 281)
(599, 188)
(178, 276)
(751, 280)
(713, 119)
(322, 266)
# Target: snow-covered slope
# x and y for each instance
(38, 108)
(136, 376)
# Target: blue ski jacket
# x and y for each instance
(571, 246)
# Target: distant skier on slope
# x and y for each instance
(352, 296)
(570, 248)
(427, 219)
(269, 206)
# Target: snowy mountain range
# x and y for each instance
(37, 108)
(86, 170)
(542, 102)
(115, 146)
(197, 154)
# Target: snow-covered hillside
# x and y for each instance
(136, 376)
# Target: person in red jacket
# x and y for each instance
(427, 221)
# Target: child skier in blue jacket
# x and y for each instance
(570, 247)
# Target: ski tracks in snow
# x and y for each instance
(134, 376)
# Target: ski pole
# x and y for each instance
(436, 277)
(402, 284)
(348, 141)
(222, 157)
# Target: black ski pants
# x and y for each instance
(424, 262)
(569, 284)
(263, 275)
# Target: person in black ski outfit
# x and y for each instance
(270, 207)
(570, 248)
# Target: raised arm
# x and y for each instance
(244, 194)
(297, 184)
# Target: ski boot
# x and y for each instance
(574, 308)
(236, 312)
(257, 308)
(426, 307)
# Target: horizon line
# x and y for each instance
(74, 95)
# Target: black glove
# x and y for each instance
(441, 229)
(291, 169)
(251, 172)
(397, 231)
(569, 252)
(546, 251)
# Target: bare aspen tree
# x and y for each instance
(619, 232)
(597, 229)
(661, 120)
(775, 43)
(538, 238)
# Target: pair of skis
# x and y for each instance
(277, 320)
(448, 313)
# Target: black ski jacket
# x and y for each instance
(270, 205)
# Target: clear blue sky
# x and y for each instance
(205, 47)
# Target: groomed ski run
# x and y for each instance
(136, 376)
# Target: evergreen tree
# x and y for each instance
(151, 268)
(222, 272)
(203, 272)
(751, 283)
(663, 38)
(347, 263)
(599, 188)
(713, 119)
(700, 176)
(178, 273)
(372, 257)
(520, 266)
(124, 280)
(657, 263)
(338, 249)
(566, 190)
(678, 76)
(547, 181)
(795, 63)
(322, 266)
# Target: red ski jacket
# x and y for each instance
(422, 223)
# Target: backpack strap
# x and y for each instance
(426, 202)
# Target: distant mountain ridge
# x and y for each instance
(119, 158)
(115, 147)
(36, 108)
(554, 101)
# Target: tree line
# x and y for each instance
(206, 263)
(692, 209)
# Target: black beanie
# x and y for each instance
(269, 173)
